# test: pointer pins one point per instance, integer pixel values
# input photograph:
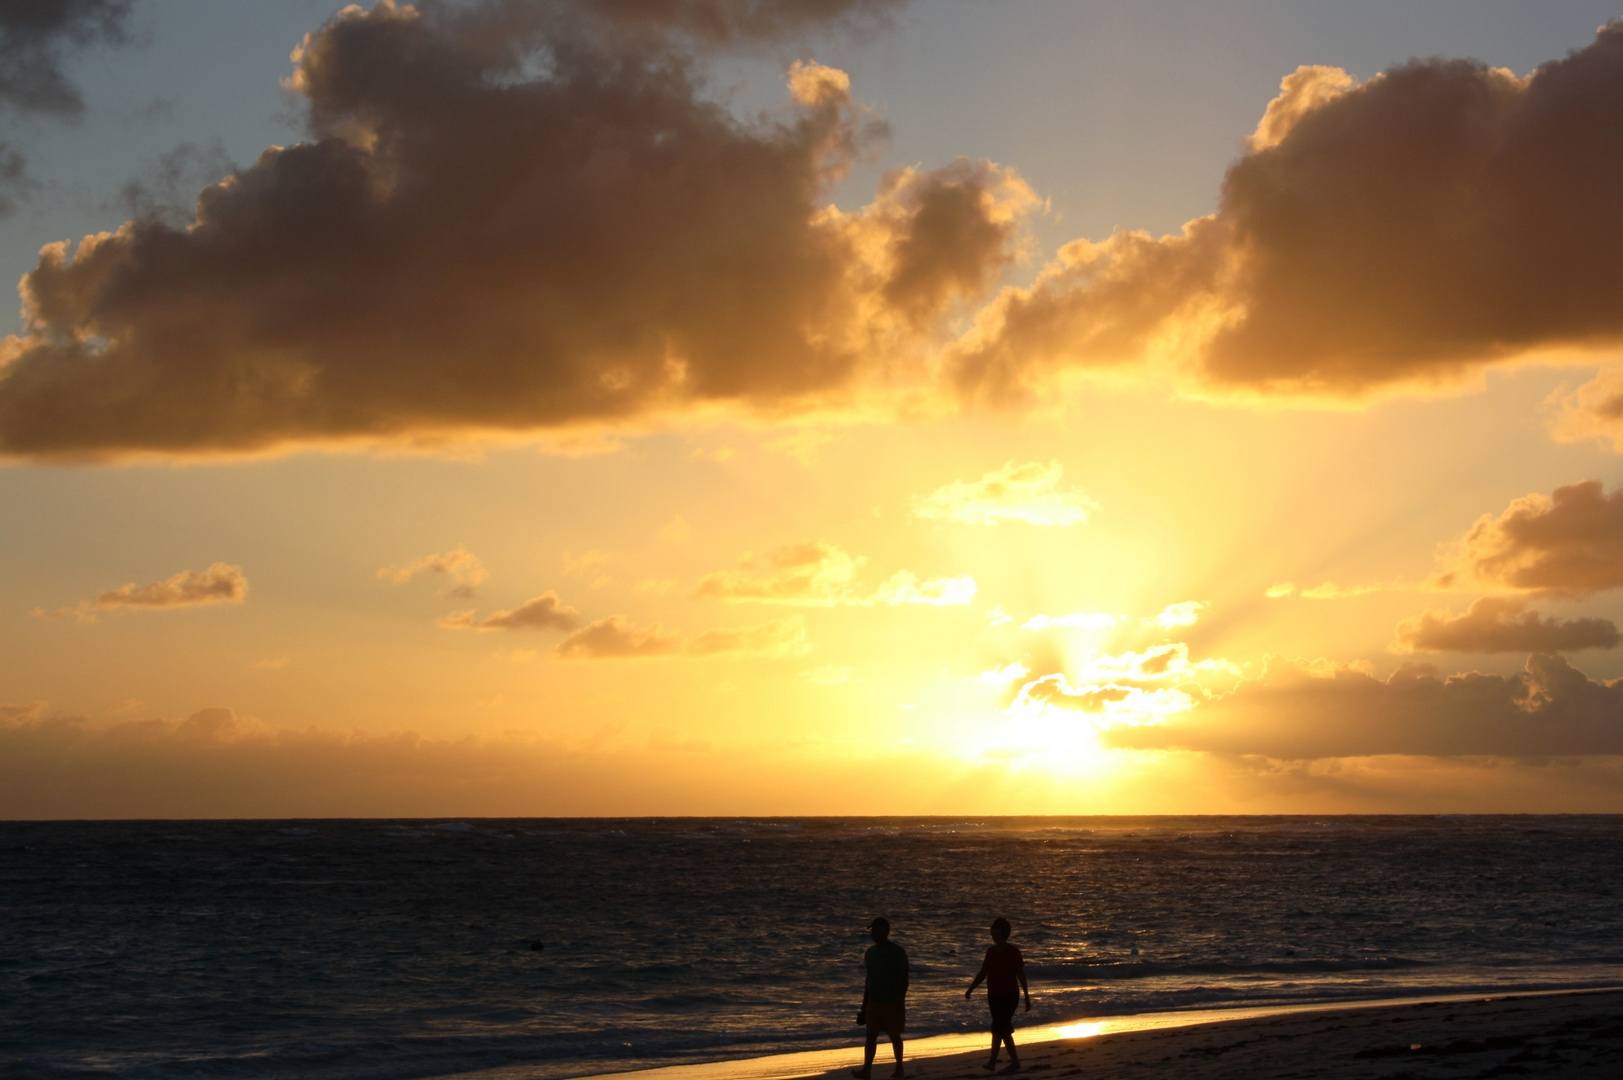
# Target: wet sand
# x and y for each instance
(1578, 1035)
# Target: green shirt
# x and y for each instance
(887, 973)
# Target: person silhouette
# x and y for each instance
(1004, 970)
(884, 996)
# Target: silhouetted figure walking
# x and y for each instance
(1004, 970)
(884, 996)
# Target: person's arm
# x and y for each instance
(1022, 973)
(906, 977)
(979, 975)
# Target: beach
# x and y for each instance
(1566, 1035)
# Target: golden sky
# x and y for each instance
(728, 406)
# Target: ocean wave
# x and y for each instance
(1144, 969)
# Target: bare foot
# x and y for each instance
(1011, 1067)
(860, 1074)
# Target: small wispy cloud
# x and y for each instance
(617, 638)
(1030, 493)
(460, 565)
(544, 612)
(818, 574)
(219, 584)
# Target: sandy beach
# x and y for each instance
(1568, 1034)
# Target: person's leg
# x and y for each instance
(997, 1040)
(1014, 1059)
(868, 1048)
(896, 1045)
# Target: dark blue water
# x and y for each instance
(404, 949)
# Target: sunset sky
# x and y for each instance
(719, 406)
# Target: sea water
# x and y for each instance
(397, 949)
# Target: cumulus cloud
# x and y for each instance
(814, 573)
(1406, 229)
(544, 612)
(1297, 711)
(1569, 543)
(508, 219)
(35, 39)
(1501, 624)
(219, 584)
(617, 638)
(1030, 493)
(460, 565)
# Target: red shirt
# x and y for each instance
(1003, 963)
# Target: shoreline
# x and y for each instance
(1341, 1038)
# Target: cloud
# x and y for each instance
(616, 638)
(544, 612)
(459, 564)
(1293, 711)
(35, 39)
(1108, 701)
(509, 219)
(904, 587)
(1331, 591)
(219, 584)
(1592, 411)
(1401, 231)
(1498, 624)
(813, 573)
(1082, 620)
(1570, 543)
(1179, 615)
(1030, 493)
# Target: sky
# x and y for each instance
(736, 407)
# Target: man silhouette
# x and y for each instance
(884, 996)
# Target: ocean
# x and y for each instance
(402, 949)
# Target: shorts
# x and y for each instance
(1003, 1006)
(889, 1017)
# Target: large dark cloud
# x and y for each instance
(1292, 712)
(1501, 624)
(1570, 543)
(507, 217)
(1437, 217)
(35, 37)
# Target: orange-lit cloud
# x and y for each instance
(1501, 624)
(459, 564)
(471, 243)
(617, 638)
(1403, 230)
(1030, 493)
(1294, 711)
(814, 573)
(1569, 543)
(544, 612)
(219, 584)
